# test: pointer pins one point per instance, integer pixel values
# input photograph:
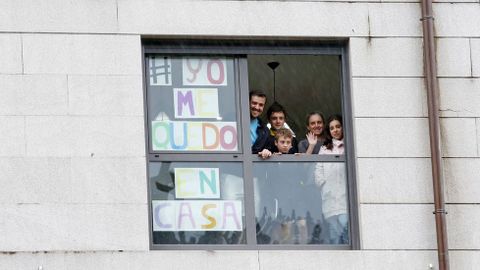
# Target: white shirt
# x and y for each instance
(337, 148)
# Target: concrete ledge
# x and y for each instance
(219, 260)
(355, 260)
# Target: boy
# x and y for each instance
(283, 144)
(277, 116)
(283, 141)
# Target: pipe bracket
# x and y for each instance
(427, 18)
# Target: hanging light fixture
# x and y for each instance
(273, 66)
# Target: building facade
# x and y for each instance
(74, 159)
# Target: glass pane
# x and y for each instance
(191, 103)
(301, 203)
(302, 84)
(197, 203)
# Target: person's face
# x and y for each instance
(256, 106)
(277, 119)
(283, 144)
(315, 124)
(336, 130)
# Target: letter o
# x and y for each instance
(221, 76)
(233, 143)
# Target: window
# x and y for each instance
(206, 188)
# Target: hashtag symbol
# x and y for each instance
(160, 71)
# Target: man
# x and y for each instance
(259, 133)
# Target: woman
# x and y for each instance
(330, 177)
(316, 135)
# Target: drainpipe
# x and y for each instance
(434, 129)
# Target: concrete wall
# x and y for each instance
(72, 161)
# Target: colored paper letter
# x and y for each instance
(197, 183)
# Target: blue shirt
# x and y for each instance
(253, 129)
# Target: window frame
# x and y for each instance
(239, 49)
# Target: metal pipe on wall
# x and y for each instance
(434, 130)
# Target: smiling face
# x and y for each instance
(336, 129)
(277, 119)
(256, 106)
(283, 144)
(315, 124)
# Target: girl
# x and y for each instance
(316, 135)
(330, 177)
(334, 143)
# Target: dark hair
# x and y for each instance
(329, 142)
(275, 107)
(307, 119)
(257, 93)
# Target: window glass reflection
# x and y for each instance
(301, 203)
(197, 203)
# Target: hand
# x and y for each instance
(265, 153)
(312, 139)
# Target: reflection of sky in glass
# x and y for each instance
(290, 201)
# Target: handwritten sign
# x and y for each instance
(191, 215)
(204, 71)
(195, 103)
(200, 183)
(160, 70)
(194, 136)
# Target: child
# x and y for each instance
(283, 141)
(334, 144)
(330, 177)
(283, 144)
